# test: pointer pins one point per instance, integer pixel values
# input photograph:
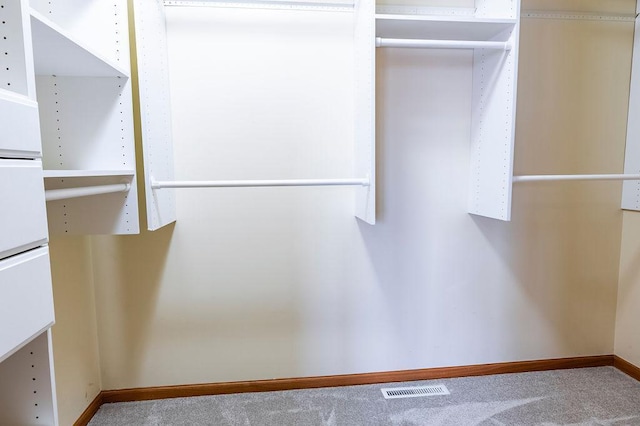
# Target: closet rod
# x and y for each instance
(84, 191)
(442, 44)
(257, 183)
(541, 178)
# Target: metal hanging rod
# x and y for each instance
(542, 178)
(442, 44)
(85, 191)
(257, 183)
(337, 6)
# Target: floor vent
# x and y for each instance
(415, 391)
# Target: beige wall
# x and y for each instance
(265, 283)
(256, 284)
(628, 313)
(627, 343)
(75, 337)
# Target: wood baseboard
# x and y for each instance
(162, 392)
(626, 367)
(91, 411)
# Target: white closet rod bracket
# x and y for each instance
(442, 44)
(85, 191)
(542, 178)
(257, 183)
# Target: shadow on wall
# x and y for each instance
(127, 279)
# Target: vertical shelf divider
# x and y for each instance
(155, 110)
(493, 120)
(631, 189)
(365, 109)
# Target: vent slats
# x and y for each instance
(415, 391)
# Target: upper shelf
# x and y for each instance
(86, 173)
(8, 95)
(446, 27)
(56, 52)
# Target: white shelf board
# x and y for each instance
(86, 173)
(56, 52)
(10, 96)
(434, 27)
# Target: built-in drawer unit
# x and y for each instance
(23, 216)
(20, 126)
(26, 299)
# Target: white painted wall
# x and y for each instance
(264, 283)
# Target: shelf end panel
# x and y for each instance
(155, 110)
(365, 135)
(493, 120)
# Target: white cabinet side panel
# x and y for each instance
(155, 109)
(365, 131)
(631, 189)
(27, 388)
(13, 70)
(493, 130)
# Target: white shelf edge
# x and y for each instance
(53, 174)
(425, 10)
(8, 95)
(444, 19)
(439, 27)
(53, 34)
(28, 340)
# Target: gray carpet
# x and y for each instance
(580, 397)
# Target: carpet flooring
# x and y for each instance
(579, 397)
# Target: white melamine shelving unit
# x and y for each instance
(27, 384)
(156, 117)
(491, 29)
(81, 62)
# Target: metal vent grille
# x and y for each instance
(414, 391)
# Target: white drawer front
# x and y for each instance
(26, 299)
(23, 216)
(20, 124)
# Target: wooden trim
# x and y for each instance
(161, 392)
(91, 410)
(626, 367)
